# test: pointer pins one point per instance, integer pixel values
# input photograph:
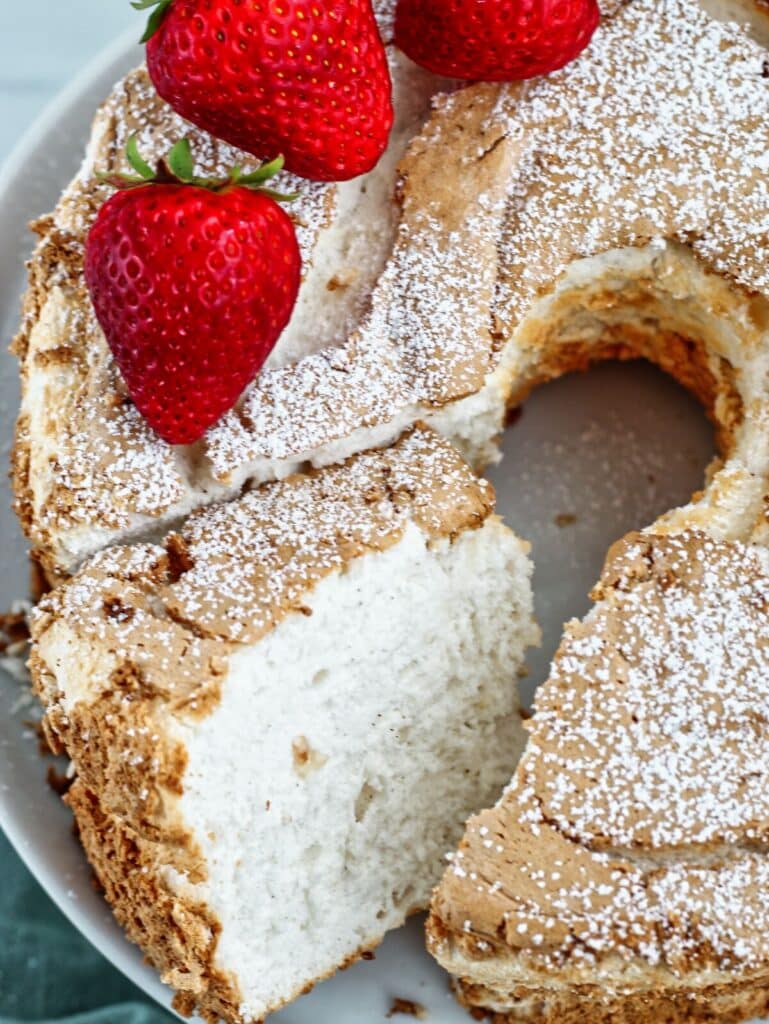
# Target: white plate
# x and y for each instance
(614, 448)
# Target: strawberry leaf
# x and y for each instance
(178, 168)
(263, 173)
(137, 161)
(159, 12)
(180, 161)
(280, 197)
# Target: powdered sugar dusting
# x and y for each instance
(658, 131)
(426, 338)
(237, 569)
(384, 11)
(666, 675)
(122, 453)
(112, 468)
(399, 359)
(637, 819)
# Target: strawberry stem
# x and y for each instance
(178, 168)
(159, 12)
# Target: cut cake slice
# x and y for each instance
(280, 718)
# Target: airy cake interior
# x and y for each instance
(334, 775)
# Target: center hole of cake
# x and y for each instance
(592, 456)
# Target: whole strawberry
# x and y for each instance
(494, 40)
(192, 282)
(305, 78)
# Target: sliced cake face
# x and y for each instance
(622, 875)
(280, 718)
(437, 305)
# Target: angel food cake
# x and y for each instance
(617, 208)
(623, 875)
(281, 717)
(443, 306)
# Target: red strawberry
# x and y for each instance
(494, 40)
(306, 78)
(192, 282)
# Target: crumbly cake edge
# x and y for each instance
(728, 1003)
(183, 932)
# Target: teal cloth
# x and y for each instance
(48, 971)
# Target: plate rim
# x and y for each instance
(65, 97)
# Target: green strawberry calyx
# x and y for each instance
(178, 168)
(159, 9)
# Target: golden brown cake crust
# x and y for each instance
(624, 869)
(236, 569)
(581, 169)
(726, 1004)
(178, 936)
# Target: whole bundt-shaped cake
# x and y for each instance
(347, 618)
